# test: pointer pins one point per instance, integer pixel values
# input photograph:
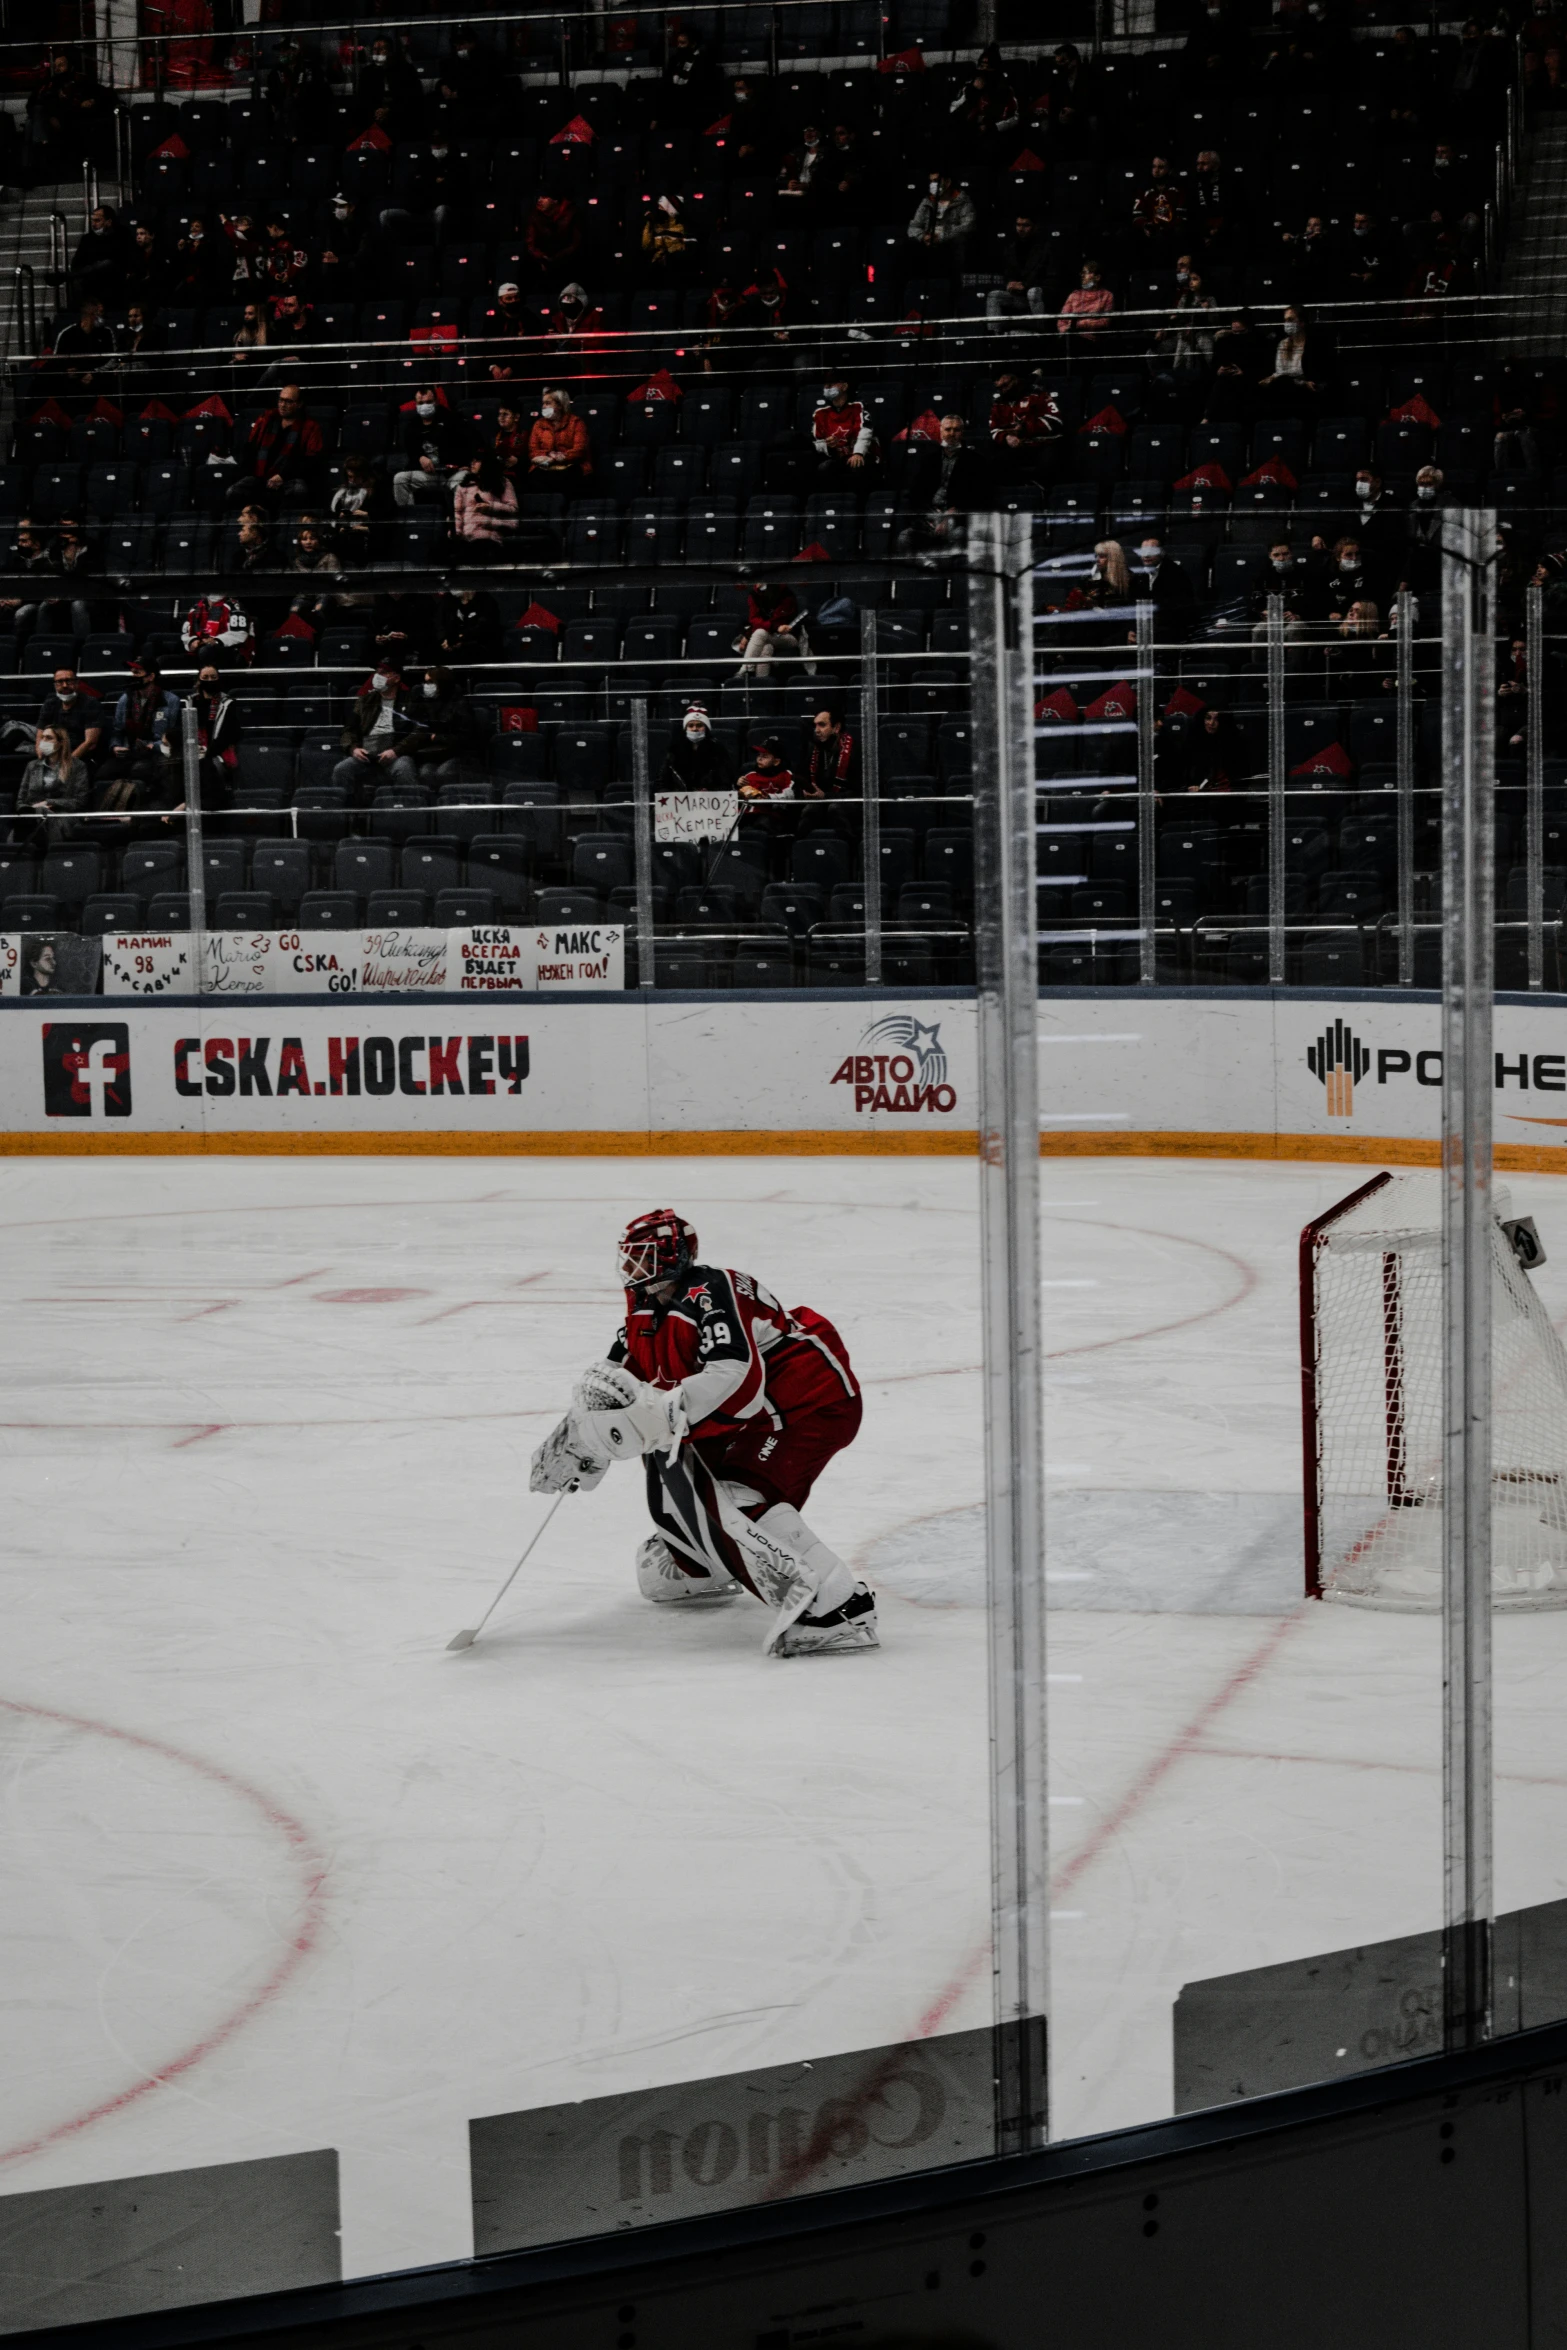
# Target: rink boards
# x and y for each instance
(1228, 1074)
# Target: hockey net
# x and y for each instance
(1371, 1375)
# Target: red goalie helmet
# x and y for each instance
(656, 1247)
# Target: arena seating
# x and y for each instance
(1341, 171)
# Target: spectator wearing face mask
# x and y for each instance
(1161, 581)
(1379, 531)
(55, 786)
(1085, 311)
(506, 327)
(667, 237)
(390, 93)
(217, 734)
(696, 760)
(1423, 521)
(773, 629)
(841, 431)
(1281, 573)
(1341, 575)
(1302, 366)
(1024, 263)
(560, 455)
(444, 742)
(347, 249)
(575, 317)
(434, 449)
(376, 731)
(76, 711)
(943, 221)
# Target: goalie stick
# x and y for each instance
(467, 1639)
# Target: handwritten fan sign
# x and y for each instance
(399, 962)
(694, 815)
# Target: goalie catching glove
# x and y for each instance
(614, 1416)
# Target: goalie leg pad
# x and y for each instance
(822, 1584)
(664, 1577)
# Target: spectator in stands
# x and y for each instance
(1359, 650)
(1025, 264)
(98, 263)
(358, 503)
(282, 454)
(1239, 356)
(138, 374)
(347, 252)
(83, 350)
(1188, 341)
(574, 316)
(1074, 95)
(1213, 755)
(250, 336)
(77, 710)
(773, 629)
(1084, 312)
(485, 509)
(1161, 581)
(55, 786)
(1025, 427)
(553, 236)
(1205, 193)
(390, 92)
(283, 263)
(690, 85)
(32, 557)
(245, 249)
(1302, 365)
(507, 324)
(834, 772)
(145, 275)
(1280, 573)
(218, 725)
(315, 602)
(1422, 564)
(444, 741)
(1344, 579)
(842, 434)
(943, 221)
(64, 115)
(560, 455)
(404, 627)
(667, 237)
(1109, 586)
(291, 329)
(944, 476)
(1365, 277)
(255, 549)
(768, 778)
(1312, 257)
(376, 729)
(436, 195)
(1516, 405)
(434, 449)
(696, 760)
(141, 770)
(73, 560)
(469, 627)
(847, 190)
(509, 446)
(1159, 210)
(1378, 529)
(297, 92)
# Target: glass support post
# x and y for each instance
(1147, 959)
(870, 782)
(1276, 942)
(1001, 634)
(1404, 645)
(1534, 810)
(642, 838)
(195, 861)
(1468, 853)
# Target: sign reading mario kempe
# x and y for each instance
(694, 815)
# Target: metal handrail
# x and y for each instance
(25, 310)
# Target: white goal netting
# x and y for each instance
(1372, 1346)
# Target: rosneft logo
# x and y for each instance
(1340, 1059)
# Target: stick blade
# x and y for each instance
(463, 1640)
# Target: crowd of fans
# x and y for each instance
(478, 407)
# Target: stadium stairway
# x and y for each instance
(1535, 275)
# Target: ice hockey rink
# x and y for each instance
(280, 1872)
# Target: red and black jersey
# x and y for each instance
(737, 1353)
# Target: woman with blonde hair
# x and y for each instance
(1112, 581)
(54, 785)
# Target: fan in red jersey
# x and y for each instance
(735, 1405)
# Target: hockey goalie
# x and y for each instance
(734, 1406)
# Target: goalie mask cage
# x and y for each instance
(1371, 1378)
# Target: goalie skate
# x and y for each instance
(853, 1625)
(662, 1579)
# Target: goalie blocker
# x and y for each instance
(735, 1405)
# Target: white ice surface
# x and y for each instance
(276, 1871)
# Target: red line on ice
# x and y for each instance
(297, 1949)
